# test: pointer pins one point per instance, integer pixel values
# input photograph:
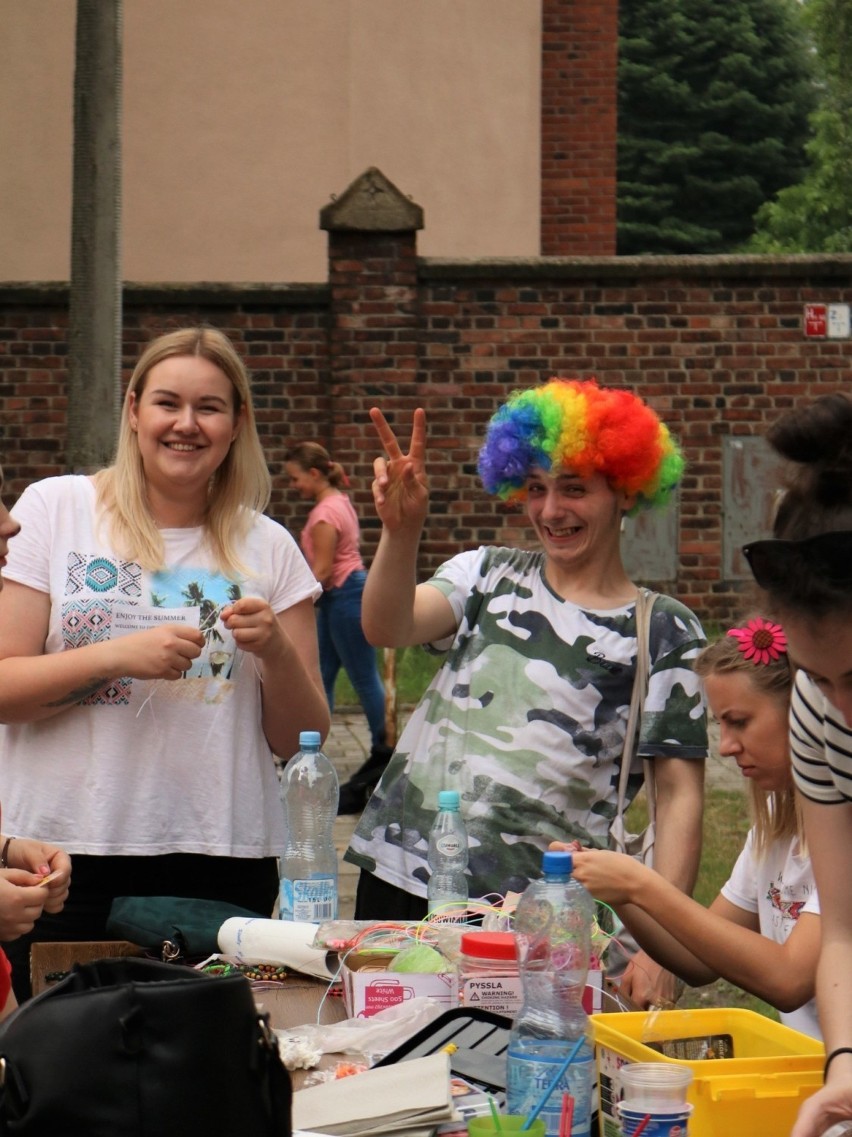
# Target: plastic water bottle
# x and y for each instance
(447, 889)
(553, 927)
(308, 869)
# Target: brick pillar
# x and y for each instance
(372, 270)
(579, 54)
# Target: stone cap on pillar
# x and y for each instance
(372, 203)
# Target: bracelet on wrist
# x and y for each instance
(828, 1061)
(4, 856)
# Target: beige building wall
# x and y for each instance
(243, 117)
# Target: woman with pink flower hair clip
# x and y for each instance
(762, 932)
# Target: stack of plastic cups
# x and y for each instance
(653, 1099)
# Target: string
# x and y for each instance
(334, 979)
(150, 696)
(237, 660)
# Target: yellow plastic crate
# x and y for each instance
(754, 1093)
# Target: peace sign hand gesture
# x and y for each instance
(400, 487)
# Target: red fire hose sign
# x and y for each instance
(816, 320)
(828, 321)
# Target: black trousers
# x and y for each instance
(96, 881)
(375, 899)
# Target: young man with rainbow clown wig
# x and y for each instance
(527, 715)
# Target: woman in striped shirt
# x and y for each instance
(806, 572)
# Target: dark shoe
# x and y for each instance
(353, 797)
(355, 793)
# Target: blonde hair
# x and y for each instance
(239, 489)
(775, 814)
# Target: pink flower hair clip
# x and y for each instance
(760, 641)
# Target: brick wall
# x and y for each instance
(579, 85)
(716, 345)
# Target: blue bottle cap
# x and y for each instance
(309, 738)
(557, 862)
(448, 799)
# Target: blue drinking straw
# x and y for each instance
(557, 1078)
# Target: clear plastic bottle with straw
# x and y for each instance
(550, 1053)
(447, 888)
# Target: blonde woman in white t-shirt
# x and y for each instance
(157, 650)
(762, 932)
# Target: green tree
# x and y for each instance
(815, 216)
(713, 103)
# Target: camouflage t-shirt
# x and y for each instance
(526, 719)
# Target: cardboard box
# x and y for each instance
(593, 994)
(368, 989)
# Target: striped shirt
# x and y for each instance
(821, 745)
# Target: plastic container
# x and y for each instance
(486, 1126)
(447, 888)
(657, 1085)
(553, 926)
(308, 870)
(757, 1091)
(669, 1122)
(489, 975)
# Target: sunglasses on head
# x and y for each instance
(776, 564)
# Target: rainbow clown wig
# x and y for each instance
(576, 425)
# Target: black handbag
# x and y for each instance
(132, 1047)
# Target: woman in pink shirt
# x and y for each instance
(331, 544)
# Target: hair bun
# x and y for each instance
(817, 435)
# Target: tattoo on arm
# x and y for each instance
(78, 694)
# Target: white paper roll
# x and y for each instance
(286, 942)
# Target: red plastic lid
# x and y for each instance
(489, 945)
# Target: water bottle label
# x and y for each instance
(311, 900)
(449, 845)
(530, 1075)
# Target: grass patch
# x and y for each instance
(414, 670)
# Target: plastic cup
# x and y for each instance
(657, 1085)
(486, 1126)
(670, 1122)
